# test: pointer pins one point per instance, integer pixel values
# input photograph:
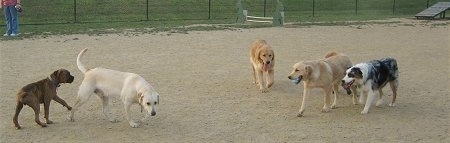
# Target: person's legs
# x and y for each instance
(14, 22)
(8, 18)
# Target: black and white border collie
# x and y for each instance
(372, 77)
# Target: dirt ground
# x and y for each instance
(204, 79)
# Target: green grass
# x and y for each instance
(46, 17)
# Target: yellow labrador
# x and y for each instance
(131, 88)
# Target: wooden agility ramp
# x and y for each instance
(433, 11)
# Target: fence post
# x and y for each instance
(356, 7)
(278, 18)
(209, 10)
(265, 3)
(393, 8)
(147, 10)
(75, 11)
(240, 17)
(313, 7)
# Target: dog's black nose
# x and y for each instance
(71, 78)
(268, 62)
(153, 113)
(289, 77)
(342, 81)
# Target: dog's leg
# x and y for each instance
(46, 111)
(19, 107)
(327, 99)
(306, 92)
(381, 99)
(62, 102)
(370, 98)
(259, 75)
(362, 97)
(83, 95)
(127, 106)
(394, 85)
(335, 90)
(270, 78)
(354, 90)
(105, 109)
(36, 109)
(254, 75)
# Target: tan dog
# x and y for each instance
(106, 83)
(262, 58)
(326, 74)
(43, 91)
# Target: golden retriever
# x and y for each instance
(325, 73)
(263, 61)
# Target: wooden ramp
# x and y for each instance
(433, 11)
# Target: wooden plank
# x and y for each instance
(434, 10)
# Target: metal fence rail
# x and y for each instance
(80, 11)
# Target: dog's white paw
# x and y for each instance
(379, 103)
(392, 104)
(333, 106)
(113, 120)
(70, 118)
(364, 112)
(134, 124)
(326, 109)
(263, 90)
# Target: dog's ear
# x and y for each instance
(308, 70)
(258, 55)
(55, 74)
(140, 97)
(273, 55)
(358, 72)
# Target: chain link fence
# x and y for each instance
(82, 11)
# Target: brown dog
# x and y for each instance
(262, 58)
(43, 91)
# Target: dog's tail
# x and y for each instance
(79, 64)
(330, 54)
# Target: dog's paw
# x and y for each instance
(300, 115)
(391, 104)
(333, 107)
(134, 124)
(49, 122)
(326, 109)
(43, 125)
(18, 127)
(379, 103)
(364, 112)
(113, 120)
(263, 90)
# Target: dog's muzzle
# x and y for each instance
(295, 80)
(71, 78)
(347, 85)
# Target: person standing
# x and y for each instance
(10, 9)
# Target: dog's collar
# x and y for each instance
(54, 82)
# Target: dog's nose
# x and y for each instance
(153, 113)
(289, 77)
(343, 81)
(268, 62)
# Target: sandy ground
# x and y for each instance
(207, 94)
